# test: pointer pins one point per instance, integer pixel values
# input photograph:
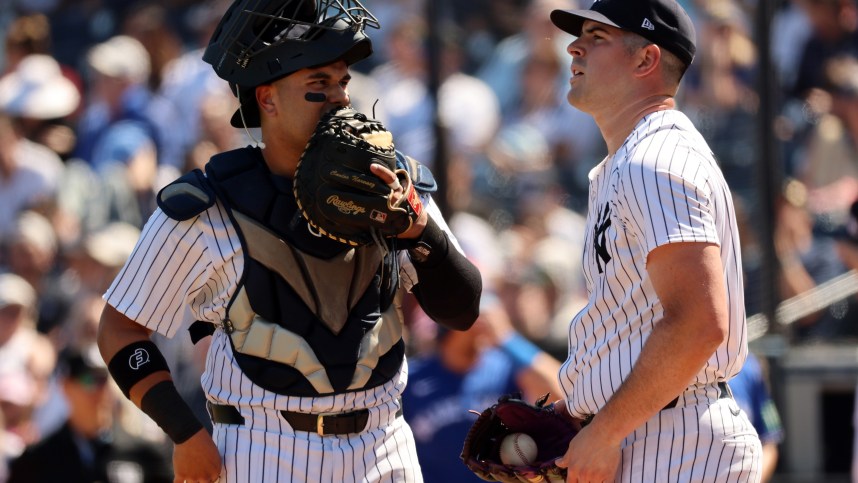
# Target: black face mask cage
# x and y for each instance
(291, 21)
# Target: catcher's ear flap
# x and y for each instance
(186, 197)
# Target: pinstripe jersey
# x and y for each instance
(183, 271)
(662, 186)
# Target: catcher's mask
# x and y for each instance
(260, 41)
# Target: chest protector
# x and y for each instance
(310, 316)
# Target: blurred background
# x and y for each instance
(103, 102)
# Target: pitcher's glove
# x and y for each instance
(337, 193)
(551, 431)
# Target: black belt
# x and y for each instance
(722, 385)
(322, 424)
(725, 392)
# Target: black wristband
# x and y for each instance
(448, 284)
(432, 246)
(171, 413)
(134, 362)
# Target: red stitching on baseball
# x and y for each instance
(518, 450)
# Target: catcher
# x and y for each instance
(293, 255)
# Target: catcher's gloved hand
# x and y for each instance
(335, 190)
(551, 431)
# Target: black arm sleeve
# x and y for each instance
(449, 285)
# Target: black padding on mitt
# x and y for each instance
(335, 189)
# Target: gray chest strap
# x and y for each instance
(253, 335)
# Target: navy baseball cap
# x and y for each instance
(662, 22)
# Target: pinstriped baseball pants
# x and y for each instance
(703, 443)
(272, 452)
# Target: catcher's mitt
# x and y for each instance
(551, 431)
(335, 190)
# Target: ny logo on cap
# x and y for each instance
(647, 24)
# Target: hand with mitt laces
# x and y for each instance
(348, 185)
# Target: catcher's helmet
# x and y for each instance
(260, 41)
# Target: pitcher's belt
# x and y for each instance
(322, 424)
(722, 385)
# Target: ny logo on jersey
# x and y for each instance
(603, 221)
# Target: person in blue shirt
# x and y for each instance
(470, 371)
(751, 392)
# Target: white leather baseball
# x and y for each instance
(517, 449)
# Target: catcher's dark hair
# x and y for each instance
(260, 41)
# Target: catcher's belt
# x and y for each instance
(321, 424)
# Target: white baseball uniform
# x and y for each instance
(661, 186)
(184, 271)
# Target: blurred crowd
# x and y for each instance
(103, 102)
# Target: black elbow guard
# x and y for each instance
(135, 362)
(161, 402)
(449, 285)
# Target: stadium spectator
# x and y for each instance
(720, 92)
(42, 103)
(122, 128)
(32, 252)
(91, 446)
(469, 371)
(96, 260)
(27, 359)
(834, 25)
(468, 108)
(26, 35)
(192, 86)
(751, 391)
(150, 24)
(29, 175)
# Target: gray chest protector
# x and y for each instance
(310, 316)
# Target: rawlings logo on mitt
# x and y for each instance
(337, 193)
(551, 432)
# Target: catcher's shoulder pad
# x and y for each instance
(187, 196)
(230, 163)
(420, 175)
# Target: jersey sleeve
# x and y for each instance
(179, 272)
(668, 200)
